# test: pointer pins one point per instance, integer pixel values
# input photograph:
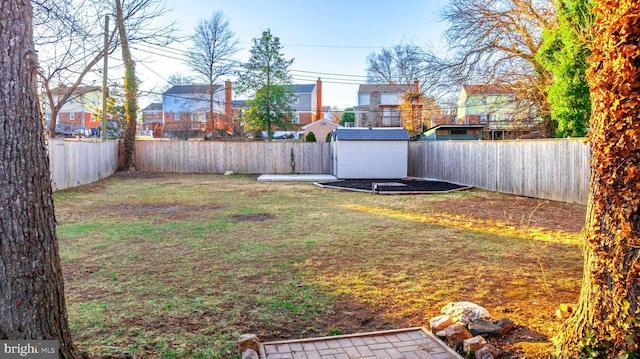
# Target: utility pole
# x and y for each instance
(105, 90)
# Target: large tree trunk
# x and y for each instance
(607, 321)
(130, 92)
(32, 302)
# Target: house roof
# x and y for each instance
(455, 126)
(317, 122)
(303, 88)
(486, 89)
(371, 134)
(156, 106)
(190, 89)
(238, 103)
(382, 88)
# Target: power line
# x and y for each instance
(239, 65)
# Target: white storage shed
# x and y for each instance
(370, 153)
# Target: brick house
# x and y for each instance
(320, 129)
(378, 104)
(308, 107)
(77, 115)
(186, 109)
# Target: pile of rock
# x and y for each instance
(464, 326)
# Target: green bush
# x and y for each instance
(310, 137)
(328, 138)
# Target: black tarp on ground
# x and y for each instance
(387, 186)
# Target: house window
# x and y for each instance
(494, 118)
(458, 132)
(484, 100)
(295, 119)
(442, 132)
(72, 116)
(483, 118)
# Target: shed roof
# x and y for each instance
(470, 126)
(372, 134)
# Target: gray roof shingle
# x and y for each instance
(303, 88)
(372, 134)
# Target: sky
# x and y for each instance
(330, 39)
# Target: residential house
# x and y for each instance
(378, 104)
(497, 108)
(308, 105)
(152, 116)
(77, 114)
(320, 128)
(186, 108)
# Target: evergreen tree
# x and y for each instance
(564, 52)
(311, 137)
(266, 77)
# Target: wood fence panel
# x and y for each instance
(555, 169)
(74, 163)
(240, 157)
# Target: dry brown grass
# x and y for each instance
(178, 266)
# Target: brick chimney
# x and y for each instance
(416, 85)
(227, 105)
(319, 113)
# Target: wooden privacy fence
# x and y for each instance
(74, 163)
(555, 169)
(241, 157)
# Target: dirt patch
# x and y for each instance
(167, 211)
(253, 217)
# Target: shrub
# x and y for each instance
(310, 137)
(328, 138)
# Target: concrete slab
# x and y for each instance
(296, 178)
(406, 343)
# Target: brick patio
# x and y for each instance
(411, 343)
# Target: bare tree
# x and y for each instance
(401, 64)
(180, 79)
(32, 303)
(210, 56)
(70, 42)
(495, 42)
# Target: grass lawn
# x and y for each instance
(179, 266)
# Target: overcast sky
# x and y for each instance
(329, 39)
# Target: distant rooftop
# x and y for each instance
(156, 106)
(303, 88)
